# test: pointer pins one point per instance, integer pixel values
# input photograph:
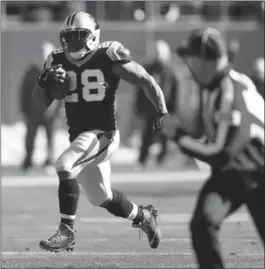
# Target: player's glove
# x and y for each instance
(56, 74)
(158, 122)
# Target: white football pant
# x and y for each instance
(87, 158)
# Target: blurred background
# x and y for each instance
(26, 25)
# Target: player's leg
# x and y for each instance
(68, 190)
(220, 196)
(97, 185)
(49, 125)
(32, 126)
(255, 204)
(95, 179)
(147, 136)
(164, 149)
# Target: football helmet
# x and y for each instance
(80, 35)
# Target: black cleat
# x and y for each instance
(149, 226)
(63, 239)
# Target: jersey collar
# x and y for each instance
(80, 62)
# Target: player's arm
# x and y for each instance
(215, 150)
(41, 97)
(40, 92)
(134, 73)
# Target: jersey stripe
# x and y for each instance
(94, 156)
(250, 158)
(254, 154)
(91, 146)
(82, 159)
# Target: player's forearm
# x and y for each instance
(207, 153)
(137, 75)
(41, 97)
(154, 94)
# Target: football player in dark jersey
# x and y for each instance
(232, 127)
(91, 72)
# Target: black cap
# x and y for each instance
(205, 43)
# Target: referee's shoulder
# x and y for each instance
(242, 80)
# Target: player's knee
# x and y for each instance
(101, 199)
(63, 165)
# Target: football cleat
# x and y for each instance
(63, 239)
(149, 226)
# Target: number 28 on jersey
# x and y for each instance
(91, 84)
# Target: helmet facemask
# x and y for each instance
(78, 42)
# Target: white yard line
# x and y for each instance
(124, 178)
(163, 239)
(79, 239)
(154, 253)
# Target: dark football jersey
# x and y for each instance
(91, 102)
(245, 141)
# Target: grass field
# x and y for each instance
(30, 213)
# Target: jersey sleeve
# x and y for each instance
(118, 53)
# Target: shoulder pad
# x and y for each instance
(105, 44)
(57, 51)
(49, 61)
(118, 53)
(50, 58)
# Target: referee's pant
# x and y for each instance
(222, 194)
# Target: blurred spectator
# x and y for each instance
(131, 10)
(44, 11)
(245, 10)
(169, 11)
(233, 49)
(33, 117)
(258, 75)
(162, 69)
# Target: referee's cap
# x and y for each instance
(205, 43)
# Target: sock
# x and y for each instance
(68, 193)
(120, 206)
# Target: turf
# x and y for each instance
(30, 213)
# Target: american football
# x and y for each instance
(59, 84)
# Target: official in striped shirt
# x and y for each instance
(231, 120)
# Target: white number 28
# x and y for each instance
(91, 91)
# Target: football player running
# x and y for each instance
(232, 121)
(88, 73)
